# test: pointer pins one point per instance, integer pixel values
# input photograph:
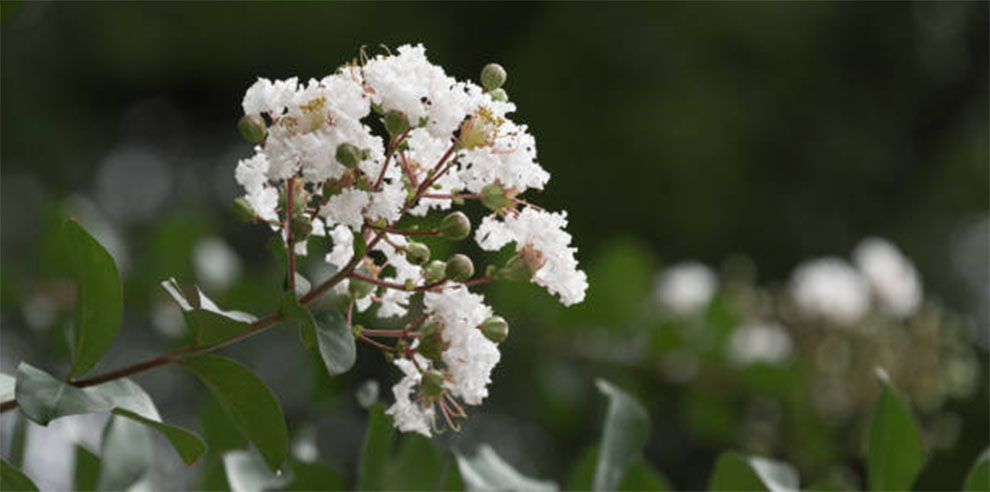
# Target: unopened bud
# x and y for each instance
(435, 270)
(348, 155)
(459, 268)
(431, 387)
(243, 211)
(492, 76)
(360, 288)
(494, 197)
(431, 343)
(495, 329)
(417, 253)
(396, 123)
(455, 226)
(301, 228)
(523, 265)
(499, 95)
(252, 128)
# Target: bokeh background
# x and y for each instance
(772, 132)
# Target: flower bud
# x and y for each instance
(243, 211)
(301, 228)
(494, 197)
(435, 270)
(431, 343)
(252, 128)
(360, 288)
(459, 268)
(348, 155)
(495, 329)
(522, 266)
(396, 123)
(431, 387)
(455, 226)
(417, 253)
(492, 76)
(500, 95)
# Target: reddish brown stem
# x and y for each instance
(401, 232)
(289, 245)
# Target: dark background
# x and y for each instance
(775, 130)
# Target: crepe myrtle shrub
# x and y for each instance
(319, 168)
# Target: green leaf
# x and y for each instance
(42, 398)
(127, 454)
(627, 429)
(87, 469)
(13, 479)
(251, 405)
(893, 456)
(583, 470)
(211, 324)
(18, 440)
(642, 476)
(360, 246)
(99, 297)
(189, 445)
(486, 470)
(978, 478)
(376, 449)
(734, 471)
(417, 466)
(247, 472)
(336, 342)
(290, 310)
(314, 476)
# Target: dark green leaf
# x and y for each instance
(336, 342)
(13, 479)
(893, 456)
(127, 454)
(417, 466)
(42, 398)
(642, 476)
(314, 476)
(290, 310)
(211, 324)
(99, 298)
(583, 470)
(87, 469)
(251, 405)
(734, 471)
(978, 478)
(627, 429)
(486, 470)
(189, 446)
(18, 440)
(376, 449)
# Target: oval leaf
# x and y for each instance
(291, 311)
(87, 469)
(376, 449)
(42, 398)
(211, 324)
(336, 342)
(127, 454)
(13, 479)
(486, 470)
(251, 405)
(979, 476)
(627, 429)
(99, 298)
(893, 455)
(734, 471)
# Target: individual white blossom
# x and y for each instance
(407, 414)
(470, 357)
(686, 288)
(893, 277)
(347, 208)
(831, 289)
(760, 342)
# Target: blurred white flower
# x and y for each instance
(830, 288)
(893, 277)
(686, 288)
(760, 342)
(217, 264)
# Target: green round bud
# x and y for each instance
(495, 329)
(301, 228)
(459, 268)
(417, 253)
(243, 211)
(348, 155)
(435, 270)
(360, 288)
(431, 387)
(252, 128)
(492, 76)
(431, 343)
(396, 123)
(522, 266)
(500, 95)
(494, 197)
(455, 226)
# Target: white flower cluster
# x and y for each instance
(447, 141)
(685, 288)
(832, 289)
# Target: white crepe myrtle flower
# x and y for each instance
(322, 167)
(892, 276)
(760, 343)
(685, 288)
(831, 289)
